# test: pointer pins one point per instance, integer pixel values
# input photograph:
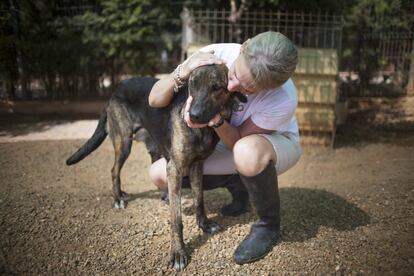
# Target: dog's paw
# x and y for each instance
(164, 198)
(120, 204)
(124, 195)
(210, 227)
(178, 260)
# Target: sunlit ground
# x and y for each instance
(54, 130)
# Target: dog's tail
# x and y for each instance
(93, 143)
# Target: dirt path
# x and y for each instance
(348, 211)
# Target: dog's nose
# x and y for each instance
(194, 116)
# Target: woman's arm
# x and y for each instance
(163, 90)
(230, 134)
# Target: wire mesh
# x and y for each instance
(310, 30)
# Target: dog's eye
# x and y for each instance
(216, 87)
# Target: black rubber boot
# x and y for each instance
(264, 233)
(240, 198)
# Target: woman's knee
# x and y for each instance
(252, 154)
(158, 174)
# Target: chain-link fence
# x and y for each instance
(307, 30)
(393, 52)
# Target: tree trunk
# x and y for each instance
(410, 85)
(10, 89)
(235, 31)
(19, 56)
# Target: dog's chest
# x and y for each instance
(202, 141)
(192, 144)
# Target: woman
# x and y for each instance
(262, 138)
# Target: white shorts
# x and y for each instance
(288, 152)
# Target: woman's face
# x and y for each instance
(240, 77)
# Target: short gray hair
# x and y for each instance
(272, 59)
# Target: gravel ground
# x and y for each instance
(345, 211)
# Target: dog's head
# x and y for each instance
(208, 87)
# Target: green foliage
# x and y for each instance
(300, 5)
(207, 4)
(122, 32)
(71, 52)
(377, 15)
(363, 20)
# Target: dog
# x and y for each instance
(166, 134)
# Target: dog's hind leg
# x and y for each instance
(122, 147)
(120, 128)
(196, 181)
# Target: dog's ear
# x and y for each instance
(224, 73)
(223, 67)
(233, 104)
(242, 98)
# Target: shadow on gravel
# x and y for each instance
(152, 194)
(303, 211)
(377, 120)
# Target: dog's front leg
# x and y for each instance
(196, 180)
(178, 256)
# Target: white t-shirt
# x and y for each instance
(273, 109)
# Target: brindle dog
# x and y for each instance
(167, 134)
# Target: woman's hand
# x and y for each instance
(190, 124)
(196, 60)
